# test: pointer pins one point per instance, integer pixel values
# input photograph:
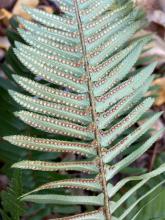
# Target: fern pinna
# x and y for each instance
(93, 97)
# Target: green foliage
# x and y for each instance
(12, 207)
(154, 207)
(78, 87)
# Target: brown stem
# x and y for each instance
(94, 115)
(153, 157)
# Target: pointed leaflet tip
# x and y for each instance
(131, 138)
(17, 44)
(17, 114)
(11, 92)
(15, 77)
(153, 65)
(134, 155)
(6, 138)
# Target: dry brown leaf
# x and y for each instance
(151, 5)
(5, 16)
(47, 9)
(158, 125)
(162, 4)
(158, 17)
(161, 94)
(7, 4)
(156, 48)
(147, 6)
(4, 43)
(17, 10)
(155, 10)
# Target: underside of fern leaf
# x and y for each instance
(90, 102)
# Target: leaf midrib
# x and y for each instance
(94, 115)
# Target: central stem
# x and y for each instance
(94, 114)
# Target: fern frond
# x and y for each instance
(97, 215)
(141, 198)
(128, 140)
(45, 92)
(82, 166)
(133, 156)
(52, 109)
(114, 189)
(87, 184)
(65, 200)
(88, 101)
(52, 145)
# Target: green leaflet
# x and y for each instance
(51, 75)
(52, 109)
(141, 198)
(51, 47)
(89, 15)
(129, 193)
(107, 137)
(112, 190)
(53, 95)
(53, 61)
(154, 206)
(49, 33)
(99, 71)
(114, 218)
(118, 73)
(52, 145)
(102, 70)
(86, 95)
(128, 140)
(103, 35)
(107, 19)
(124, 89)
(66, 200)
(55, 126)
(86, 4)
(105, 118)
(66, 3)
(95, 215)
(50, 20)
(113, 44)
(87, 184)
(133, 156)
(66, 7)
(89, 167)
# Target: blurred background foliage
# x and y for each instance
(14, 183)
